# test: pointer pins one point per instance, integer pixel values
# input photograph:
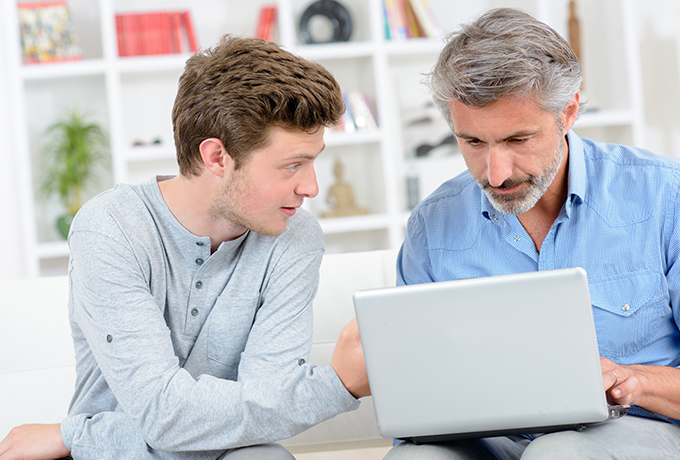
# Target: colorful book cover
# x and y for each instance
(47, 32)
(426, 18)
(362, 112)
(347, 118)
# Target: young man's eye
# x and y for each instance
(293, 167)
(519, 140)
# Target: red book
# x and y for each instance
(265, 24)
(129, 34)
(120, 35)
(164, 32)
(175, 33)
(189, 26)
(142, 34)
(154, 34)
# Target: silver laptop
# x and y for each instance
(491, 356)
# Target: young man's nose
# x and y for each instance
(308, 186)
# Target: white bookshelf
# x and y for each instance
(132, 97)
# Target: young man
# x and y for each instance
(537, 197)
(191, 296)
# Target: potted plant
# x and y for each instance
(75, 146)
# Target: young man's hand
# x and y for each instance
(33, 442)
(348, 361)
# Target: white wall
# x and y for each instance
(659, 32)
(11, 254)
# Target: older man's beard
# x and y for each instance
(525, 199)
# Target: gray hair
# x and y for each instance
(505, 52)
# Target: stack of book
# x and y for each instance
(143, 34)
(359, 114)
(47, 32)
(406, 19)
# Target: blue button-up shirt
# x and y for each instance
(620, 222)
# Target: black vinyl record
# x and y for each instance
(338, 18)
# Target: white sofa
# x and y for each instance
(37, 367)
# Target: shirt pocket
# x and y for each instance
(627, 312)
(229, 325)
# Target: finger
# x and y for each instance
(609, 378)
(623, 393)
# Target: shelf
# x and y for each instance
(332, 225)
(330, 51)
(605, 118)
(413, 46)
(53, 250)
(144, 64)
(150, 153)
(67, 69)
(336, 139)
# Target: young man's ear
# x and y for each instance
(215, 157)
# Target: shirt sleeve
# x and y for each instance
(160, 403)
(414, 265)
(673, 254)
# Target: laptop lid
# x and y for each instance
(481, 357)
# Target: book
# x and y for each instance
(347, 119)
(426, 18)
(157, 33)
(395, 20)
(175, 33)
(405, 19)
(359, 114)
(189, 28)
(47, 32)
(265, 23)
(362, 111)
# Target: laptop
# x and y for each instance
(492, 356)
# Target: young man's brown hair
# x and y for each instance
(242, 87)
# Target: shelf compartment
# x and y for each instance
(359, 163)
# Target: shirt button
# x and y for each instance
(199, 284)
(494, 217)
(199, 261)
(109, 338)
(517, 238)
(199, 243)
(194, 311)
(625, 307)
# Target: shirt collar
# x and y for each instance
(576, 180)
(577, 169)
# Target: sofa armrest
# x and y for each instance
(37, 363)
